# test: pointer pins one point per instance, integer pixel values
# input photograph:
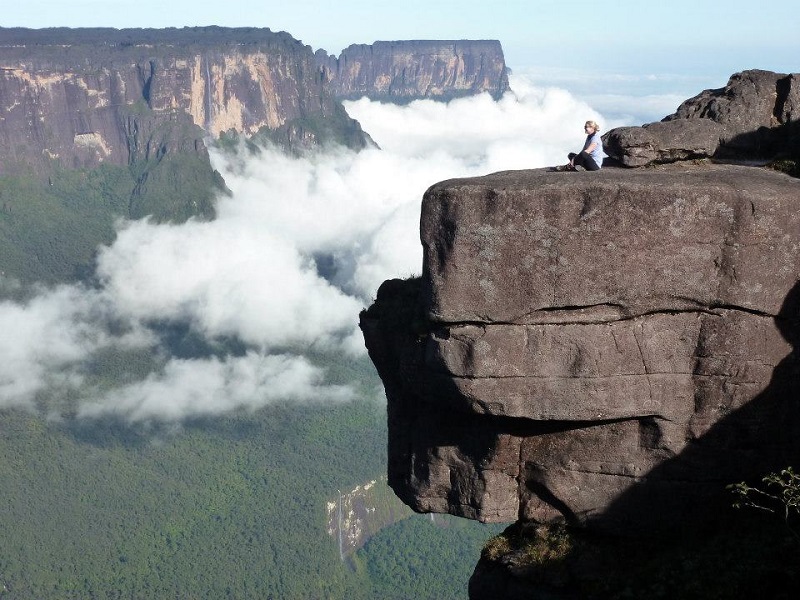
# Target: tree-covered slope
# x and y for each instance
(232, 507)
(50, 230)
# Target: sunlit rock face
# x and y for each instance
(605, 349)
(82, 97)
(402, 71)
(78, 98)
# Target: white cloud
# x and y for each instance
(230, 277)
(300, 246)
(527, 128)
(46, 340)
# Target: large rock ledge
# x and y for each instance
(602, 349)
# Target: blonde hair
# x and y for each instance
(593, 125)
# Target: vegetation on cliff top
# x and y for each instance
(749, 557)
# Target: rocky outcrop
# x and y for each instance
(402, 71)
(82, 97)
(755, 116)
(607, 350)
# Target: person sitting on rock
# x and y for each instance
(591, 157)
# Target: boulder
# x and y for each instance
(753, 117)
(663, 142)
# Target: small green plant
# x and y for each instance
(780, 495)
(497, 547)
(786, 165)
(531, 544)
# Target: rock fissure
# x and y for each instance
(530, 320)
(457, 377)
(745, 309)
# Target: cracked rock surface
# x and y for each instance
(606, 349)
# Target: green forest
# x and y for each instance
(226, 508)
(223, 507)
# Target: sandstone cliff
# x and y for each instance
(407, 70)
(579, 338)
(79, 98)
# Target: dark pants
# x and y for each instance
(583, 160)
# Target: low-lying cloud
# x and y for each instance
(46, 339)
(214, 386)
(295, 252)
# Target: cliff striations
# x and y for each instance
(407, 70)
(77, 98)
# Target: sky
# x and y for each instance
(253, 275)
(711, 38)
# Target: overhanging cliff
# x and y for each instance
(607, 350)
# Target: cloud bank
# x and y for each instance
(211, 387)
(295, 252)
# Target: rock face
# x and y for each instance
(78, 98)
(754, 116)
(82, 97)
(102, 124)
(407, 70)
(607, 350)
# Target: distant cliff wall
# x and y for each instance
(75, 98)
(79, 98)
(407, 70)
